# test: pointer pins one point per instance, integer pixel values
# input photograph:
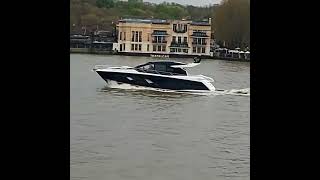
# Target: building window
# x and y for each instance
(198, 50)
(139, 47)
(120, 36)
(174, 27)
(185, 39)
(185, 50)
(132, 47)
(120, 47)
(194, 40)
(179, 39)
(124, 47)
(163, 48)
(124, 36)
(179, 50)
(140, 36)
(203, 41)
(148, 47)
(173, 39)
(136, 47)
(199, 41)
(194, 49)
(203, 50)
(171, 49)
(136, 40)
(132, 36)
(159, 48)
(185, 27)
(154, 48)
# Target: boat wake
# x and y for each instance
(237, 92)
(217, 92)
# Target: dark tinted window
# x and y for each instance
(148, 67)
(169, 69)
(176, 71)
(179, 71)
(160, 67)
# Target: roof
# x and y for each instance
(201, 23)
(147, 21)
(167, 63)
(162, 21)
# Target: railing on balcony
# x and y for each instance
(176, 44)
(159, 33)
(159, 42)
(180, 30)
(199, 44)
(199, 34)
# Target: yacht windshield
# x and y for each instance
(161, 68)
(147, 66)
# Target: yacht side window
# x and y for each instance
(161, 67)
(148, 67)
(151, 67)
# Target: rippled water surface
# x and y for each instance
(122, 134)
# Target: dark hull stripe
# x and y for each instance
(152, 81)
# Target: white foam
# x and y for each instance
(237, 92)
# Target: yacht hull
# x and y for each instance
(152, 81)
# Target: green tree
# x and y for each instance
(105, 3)
(231, 23)
(89, 20)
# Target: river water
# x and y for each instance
(122, 134)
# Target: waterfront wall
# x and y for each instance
(153, 55)
(79, 50)
(90, 51)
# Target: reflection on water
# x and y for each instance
(145, 134)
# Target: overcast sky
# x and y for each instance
(188, 2)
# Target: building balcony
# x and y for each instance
(159, 33)
(182, 45)
(180, 30)
(201, 23)
(159, 42)
(199, 44)
(199, 34)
